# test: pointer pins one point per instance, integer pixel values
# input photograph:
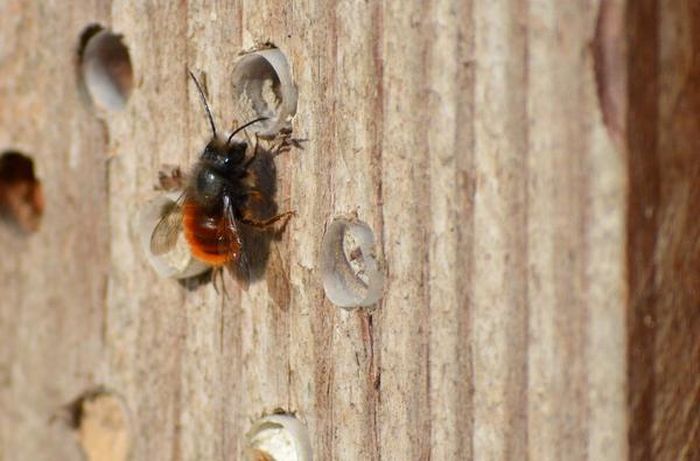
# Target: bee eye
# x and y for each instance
(208, 153)
(236, 152)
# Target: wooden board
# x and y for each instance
(490, 146)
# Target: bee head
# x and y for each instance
(236, 151)
(224, 157)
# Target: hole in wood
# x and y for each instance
(177, 263)
(349, 265)
(263, 87)
(278, 437)
(21, 195)
(106, 68)
(100, 422)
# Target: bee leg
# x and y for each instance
(254, 194)
(256, 199)
(223, 283)
(219, 271)
(214, 273)
(286, 144)
(170, 178)
(265, 223)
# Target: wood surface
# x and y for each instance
(664, 232)
(529, 168)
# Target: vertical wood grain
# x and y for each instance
(664, 353)
(500, 310)
(539, 257)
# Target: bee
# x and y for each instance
(219, 194)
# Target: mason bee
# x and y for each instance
(220, 193)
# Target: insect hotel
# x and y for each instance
(272, 230)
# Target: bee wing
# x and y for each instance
(238, 266)
(165, 233)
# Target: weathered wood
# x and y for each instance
(529, 170)
(664, 252)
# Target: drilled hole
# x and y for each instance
(106, 68)
(100, 421)
(177, 263)
(21, 195)
(349, 264)
(279, 437)
(263, 87)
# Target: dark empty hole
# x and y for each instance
(89, 32)
(21, 196)
(106, 67)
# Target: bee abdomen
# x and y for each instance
(207, 236)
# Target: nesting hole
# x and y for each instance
(100, 421)
(177, 263)
(106, 68)
(279, 437)
(263, 87)
(21, 194)
(349, 265)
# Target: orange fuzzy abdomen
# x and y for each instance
(208, 236)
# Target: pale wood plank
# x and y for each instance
(468, 135)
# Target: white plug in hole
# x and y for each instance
(263, 87)
(352, 276)
(279, 437)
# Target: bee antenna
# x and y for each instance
(204, 101)
(242, 127)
